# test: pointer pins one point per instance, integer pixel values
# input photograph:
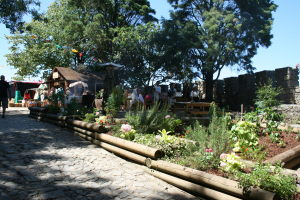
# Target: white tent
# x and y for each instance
(77, 83)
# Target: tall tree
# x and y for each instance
(213, 34)
(135, 48)
(12, 12)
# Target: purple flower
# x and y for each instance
(298, 185)
(168, 116)
(283, 163)
(295, 176)
(260, 179)
(270, 170)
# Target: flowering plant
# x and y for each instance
(270, 179)
(128, 133)
(171, 122)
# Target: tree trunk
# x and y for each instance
(209, 86)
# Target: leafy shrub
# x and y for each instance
(148, 121)
(114, 101)
(230, 162)
(244, 135)
(266, 95)
(215, 137)
(269, 179)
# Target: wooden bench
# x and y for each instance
(202, 113)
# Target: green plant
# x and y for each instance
(251, 116)
(281, 143)
(171, 122)
(89, 117)
(270, 179)
(128, 135)
(114, 101)
(148, 121)
(297, 137)
(244, 135)
(266, 95)
(295, 120)
(255, 154)
(230, 162)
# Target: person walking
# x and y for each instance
(4, 87)
(195, 94)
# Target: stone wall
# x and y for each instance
(292, 112)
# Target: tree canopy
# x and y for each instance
(12, 12)
(213, 34)
(87, 27)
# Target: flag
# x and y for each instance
(2, 66)
(94, 58)
(33, 37)
(58, 46)
(21, 31)
(74, 50)
(100, 60)
(7, 25)
(80, 54)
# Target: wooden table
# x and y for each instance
(200, 108)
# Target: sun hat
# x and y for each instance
(195, 85)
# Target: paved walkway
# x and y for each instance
(43, 161)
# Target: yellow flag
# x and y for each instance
(2, 66)
(29, 79)
(100, 60)
(74, 50)
(33, 37)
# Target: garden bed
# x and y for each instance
(273, 148)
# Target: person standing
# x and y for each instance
(171, 93)
(27, 98)
(195, 94)
(157, 91)
(4, 87)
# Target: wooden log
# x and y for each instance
(189, 186)
(88, 133)
(285, 156)
(85, 125)
(114, 149)
(59, 123)
(38, 113)
(39, 118)
(131, 146)
(210, 180)
(56, 117)
(292, 163)
(74, 116)
(37, 109)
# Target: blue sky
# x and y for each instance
(284, 51)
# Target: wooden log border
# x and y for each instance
(174, 174)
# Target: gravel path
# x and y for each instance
(43, 161)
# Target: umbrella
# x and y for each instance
(78, 82)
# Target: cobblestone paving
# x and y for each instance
(39, 160)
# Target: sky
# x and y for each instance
(283, 52)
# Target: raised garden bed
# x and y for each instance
(195, 181)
